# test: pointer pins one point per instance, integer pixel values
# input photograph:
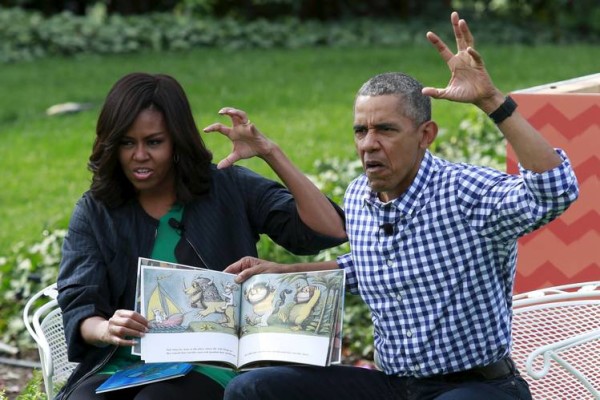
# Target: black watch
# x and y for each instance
(504, 111)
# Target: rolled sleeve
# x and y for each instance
(345, 262)
(558, 183)
(510, 206)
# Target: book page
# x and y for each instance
(291, 317)
(289, 348)
(193, 315)
(191, 347)
(335, 344)
(137, 350)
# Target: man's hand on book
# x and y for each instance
(248, 266)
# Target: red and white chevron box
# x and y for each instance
(566, 250)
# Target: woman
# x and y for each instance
(155, 194)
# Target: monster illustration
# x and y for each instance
(296, 313)
(262, 298)
(204, 295)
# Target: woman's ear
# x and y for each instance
(429, 132)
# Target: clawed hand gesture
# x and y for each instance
(247, 140)
(469, 82)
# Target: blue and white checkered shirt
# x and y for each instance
(440, 285)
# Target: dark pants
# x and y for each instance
(349, 383)
(191, 386)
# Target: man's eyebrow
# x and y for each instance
(383, 125)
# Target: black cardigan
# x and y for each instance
(99, 261)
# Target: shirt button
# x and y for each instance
(409, 333)
(399, 296)
(390, 262)
(417, 367)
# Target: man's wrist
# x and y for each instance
(506, 109)
(271, 152)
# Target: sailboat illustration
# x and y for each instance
(163, 312)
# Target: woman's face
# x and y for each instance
(146, 155)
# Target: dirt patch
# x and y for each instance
(17, 371)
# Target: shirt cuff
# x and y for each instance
(551, 183)
(345, 262)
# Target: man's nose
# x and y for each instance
(369, 142)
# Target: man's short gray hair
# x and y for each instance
(415, 106)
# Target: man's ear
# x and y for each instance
(429, 132)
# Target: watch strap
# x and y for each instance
(504, 111)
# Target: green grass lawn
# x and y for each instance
(302, 99)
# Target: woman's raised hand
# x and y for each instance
(247, 140)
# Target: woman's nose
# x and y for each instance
(140, 152)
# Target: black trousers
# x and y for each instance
(352, 383)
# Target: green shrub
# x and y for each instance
(26, 270)
(34, 389)
(477, 141)
(28, 35)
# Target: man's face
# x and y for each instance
(389, 145)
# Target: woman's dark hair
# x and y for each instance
(129, 96)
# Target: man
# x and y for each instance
(433, 245)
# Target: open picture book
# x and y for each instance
(202, 316)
